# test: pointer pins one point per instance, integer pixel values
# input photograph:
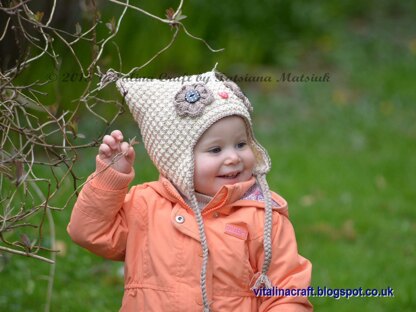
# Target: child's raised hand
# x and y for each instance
(112, 145)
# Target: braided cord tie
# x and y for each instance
(263, 280)
(204, 245)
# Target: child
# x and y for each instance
(208, 234)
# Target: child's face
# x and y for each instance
(222, 156)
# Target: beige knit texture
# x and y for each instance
(169, 138)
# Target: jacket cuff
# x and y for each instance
(107, 178)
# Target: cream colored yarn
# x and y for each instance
(170, 138)
(170, 132)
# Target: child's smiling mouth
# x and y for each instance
(231, 175)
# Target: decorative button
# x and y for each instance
(180, 219)
(216, 214)
(192, 96)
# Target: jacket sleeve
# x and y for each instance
(98, 220)
(288, 270)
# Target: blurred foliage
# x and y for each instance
(267, 32)
(343, 152)
(261, 35)
(255, 35)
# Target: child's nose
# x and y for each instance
(232, 158)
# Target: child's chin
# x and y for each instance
(227, 182)
(222, 182)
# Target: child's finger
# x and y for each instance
(117, 135)
(124, 147)
(130, 155)
(127, 150)
(111, 142)
(104, 150)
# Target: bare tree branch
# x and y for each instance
(40, 141)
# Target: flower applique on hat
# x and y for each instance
(236, 89)
(192, 99)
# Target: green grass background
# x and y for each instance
(343, 153)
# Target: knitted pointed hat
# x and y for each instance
(172, 115)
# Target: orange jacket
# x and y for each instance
(153, 230)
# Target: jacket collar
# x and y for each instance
(228, 194)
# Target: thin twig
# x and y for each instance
(5, 29)
(21, 253)
(141, 11)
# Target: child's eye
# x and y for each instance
(215, 150)
(241, 144)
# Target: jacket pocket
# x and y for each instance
(230, 256)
